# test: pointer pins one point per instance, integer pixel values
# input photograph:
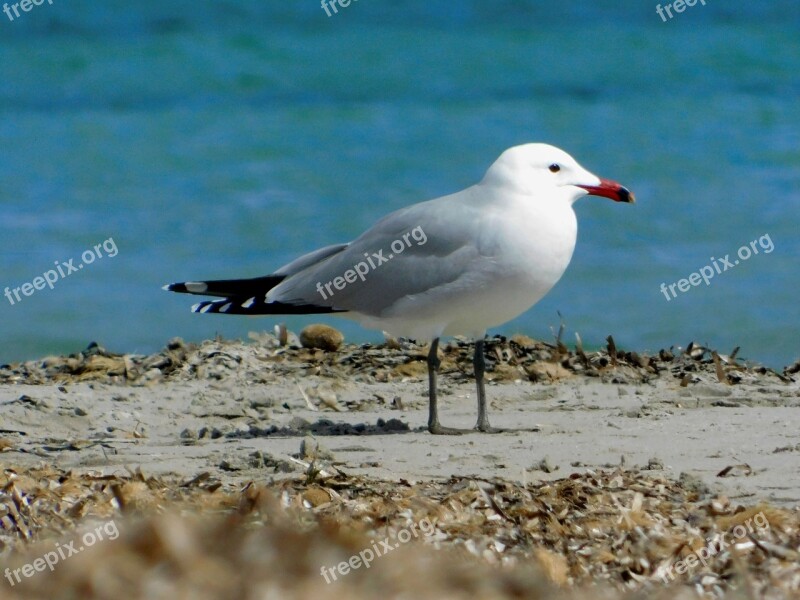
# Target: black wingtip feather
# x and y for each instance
(244, 297)
(252, 306)
(227, 288)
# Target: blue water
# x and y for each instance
(221, 139)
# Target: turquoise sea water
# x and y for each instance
(222, 139)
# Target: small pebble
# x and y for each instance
(321, 337)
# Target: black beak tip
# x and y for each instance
(625, 195)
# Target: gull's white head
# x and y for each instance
(546, 171)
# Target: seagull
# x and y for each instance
(455, 265)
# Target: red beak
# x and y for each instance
(610, 189)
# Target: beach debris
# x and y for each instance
(612, 350)
(311, 449)
(310, 405)
(266, 360)
(282, 333)
(720, 372)
(546, 371)
(792, 369)
(694, 484)
(322, 337)
(619, 531)
(544, 466)
(736, 471)
(322, 427)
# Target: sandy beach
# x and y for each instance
(721, 429)
(233, 404)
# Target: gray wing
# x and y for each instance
(310, 259)
(431, 253)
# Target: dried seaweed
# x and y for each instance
(614, 532)
(269, 359)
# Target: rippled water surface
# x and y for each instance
(223, 139)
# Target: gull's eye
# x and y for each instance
(554, 168)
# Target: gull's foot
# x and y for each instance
(437, 429)
(486, 428)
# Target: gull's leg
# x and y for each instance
(433, 414)
(479, 363)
